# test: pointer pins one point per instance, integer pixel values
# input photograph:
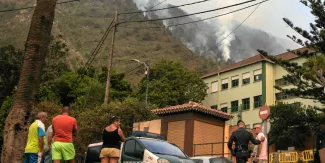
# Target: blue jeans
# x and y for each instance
(47, 157)
(30, 158)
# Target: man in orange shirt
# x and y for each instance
(63, 127)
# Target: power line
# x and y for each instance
(133, 69)
(198, 20)
(23, 8)
(150, 8)
(236, 27)
(125, 13)
(140, 21)
(93, 55)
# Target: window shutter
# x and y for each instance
(235, 77)
(246, 75)
(214, 86)
(257, 72)
(224, 81)
(224, 105)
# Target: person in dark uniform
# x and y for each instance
(241, 137)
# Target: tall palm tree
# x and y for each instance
(36, 49)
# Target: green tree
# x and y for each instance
(56, 60)
(120, 88)
(170, 83)
(92, 121)
(11, 61)
(292, 131)
(309, 78)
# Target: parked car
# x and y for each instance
(143, 148)
(211, 159)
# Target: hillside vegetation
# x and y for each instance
(81, 25)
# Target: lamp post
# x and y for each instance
(147, 73)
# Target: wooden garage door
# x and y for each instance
(175, 133)
(208, 133)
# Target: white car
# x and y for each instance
(211, 159)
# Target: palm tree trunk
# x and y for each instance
(36, 49)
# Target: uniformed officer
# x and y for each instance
(241, 137)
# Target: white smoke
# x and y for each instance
(214, 37)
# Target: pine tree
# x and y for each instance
(309, 78)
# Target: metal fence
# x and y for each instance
(292, 157)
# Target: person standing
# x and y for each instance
(35, 140)
(63, 127)
(47, 155)
(112, 136)
(241, 137)
(261, 152)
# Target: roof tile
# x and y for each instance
(255, 59)
(193, 106)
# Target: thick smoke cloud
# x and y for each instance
(211, 38)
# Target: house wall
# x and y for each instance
(237, 93)
(154, 126)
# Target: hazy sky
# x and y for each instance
(268, 17)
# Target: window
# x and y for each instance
(282, 96)
(214, 86)
(258, 75)
(146, 129)
(234, 81)
(132, 148)
(246, 103)
(224, 84)
(224, 107)
(214, 107)
(281, 82)
(129, 147)
(234, 106)
(257, 101)
(246, 78)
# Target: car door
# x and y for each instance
(132, 151)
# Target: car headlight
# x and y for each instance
(163, 161)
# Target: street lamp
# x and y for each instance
(147, 73)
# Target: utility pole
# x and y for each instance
(147, 86)
(110, 60)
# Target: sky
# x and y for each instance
(267, 17)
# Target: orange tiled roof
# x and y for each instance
(255, 59)
(193, 106)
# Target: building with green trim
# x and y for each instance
(249, 84)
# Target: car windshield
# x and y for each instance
(219, 160)
(162, 147)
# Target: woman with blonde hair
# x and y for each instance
(112, 137)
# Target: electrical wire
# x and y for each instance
(200, 19)
(133, 69)
(23, 8)
(125, 13)
(93, 55)
(150, 8)
(235, 28)
(141, 21)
